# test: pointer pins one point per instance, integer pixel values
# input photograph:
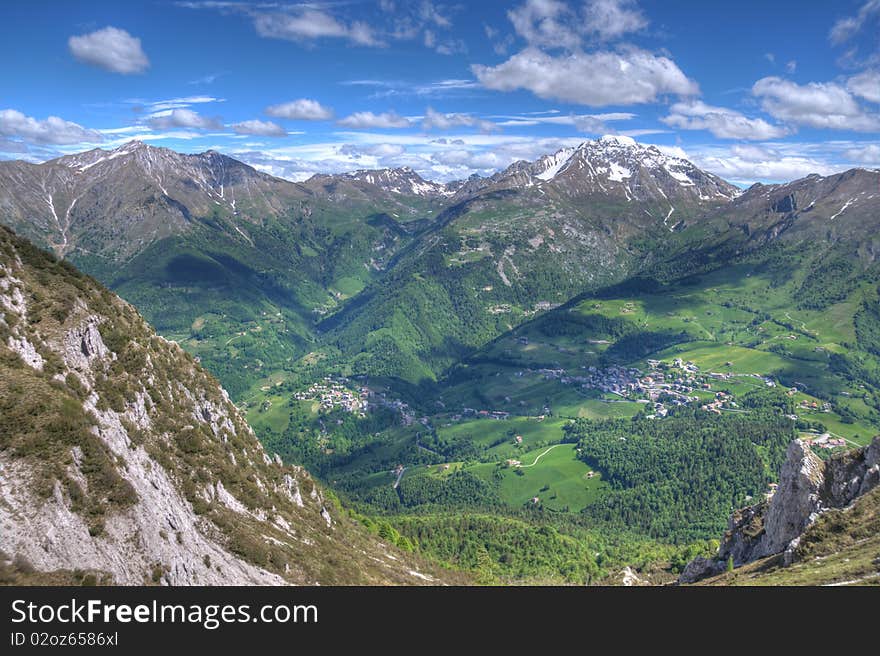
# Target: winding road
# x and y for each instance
(539, 456)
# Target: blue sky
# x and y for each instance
(752, 91)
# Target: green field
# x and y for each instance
(557, 469)
(498, 436)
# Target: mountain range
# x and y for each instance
(534, 296)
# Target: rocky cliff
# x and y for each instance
(808, 488)
(122, 461)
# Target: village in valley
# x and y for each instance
(341, 394)
(665, 385)
(332, 394)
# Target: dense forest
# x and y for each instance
(679, 478)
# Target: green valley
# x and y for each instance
(549, 365)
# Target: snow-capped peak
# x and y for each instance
(617, 165)
(618, 138)
(402, 180)
(552, 164)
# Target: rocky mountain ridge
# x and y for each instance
(122, 461)
(402, 181)
(83, 202)
(808, 487)
(618, 166)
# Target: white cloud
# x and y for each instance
(458, 155)
(865, 85)
(610, 19)
(391, 88)
(845, 28)
(112, 49)
(784, 169)
(555, 24)
(451, 47)
(450, 157)
(545, 23)
(364, 120)
(782, 161)
(362, 34)
(183, 118)
(10, 146)
(816, 104)
(303, 109)
(437, 120)
(206, 79)
(594, 79)
(53, 130)
(592, 123)
(749, 164)
(866, 154)
(309, 22)
(722, 122)
(262, 128)
(430, 13)
(791, 66)
(162, 107)
(377, 151)
(306, 24)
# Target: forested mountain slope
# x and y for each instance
(124, 461)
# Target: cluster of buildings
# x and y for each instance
(499, 415)
(825, 441)
(723, 401)
(333, 394)
(806, 404)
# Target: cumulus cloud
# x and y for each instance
(445, 47)
(306, 24)
(721, 122)
(183, 118)
(555, 24)
(545, 23)
(866, 154)
(594, 79)
(424, 21)
(112, 49)
(364, 120)
(303, 109)
(261, 128)
(610, 19)
(816, 104)
(52, 130)
(847, 27)
(746, 164)
(437, 120)
(781, 169)
(865, 85)
(782, 161)
(309, 22)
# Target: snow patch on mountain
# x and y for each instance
(403, 181)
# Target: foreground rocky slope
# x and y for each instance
(123, 461)
(817, 503)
